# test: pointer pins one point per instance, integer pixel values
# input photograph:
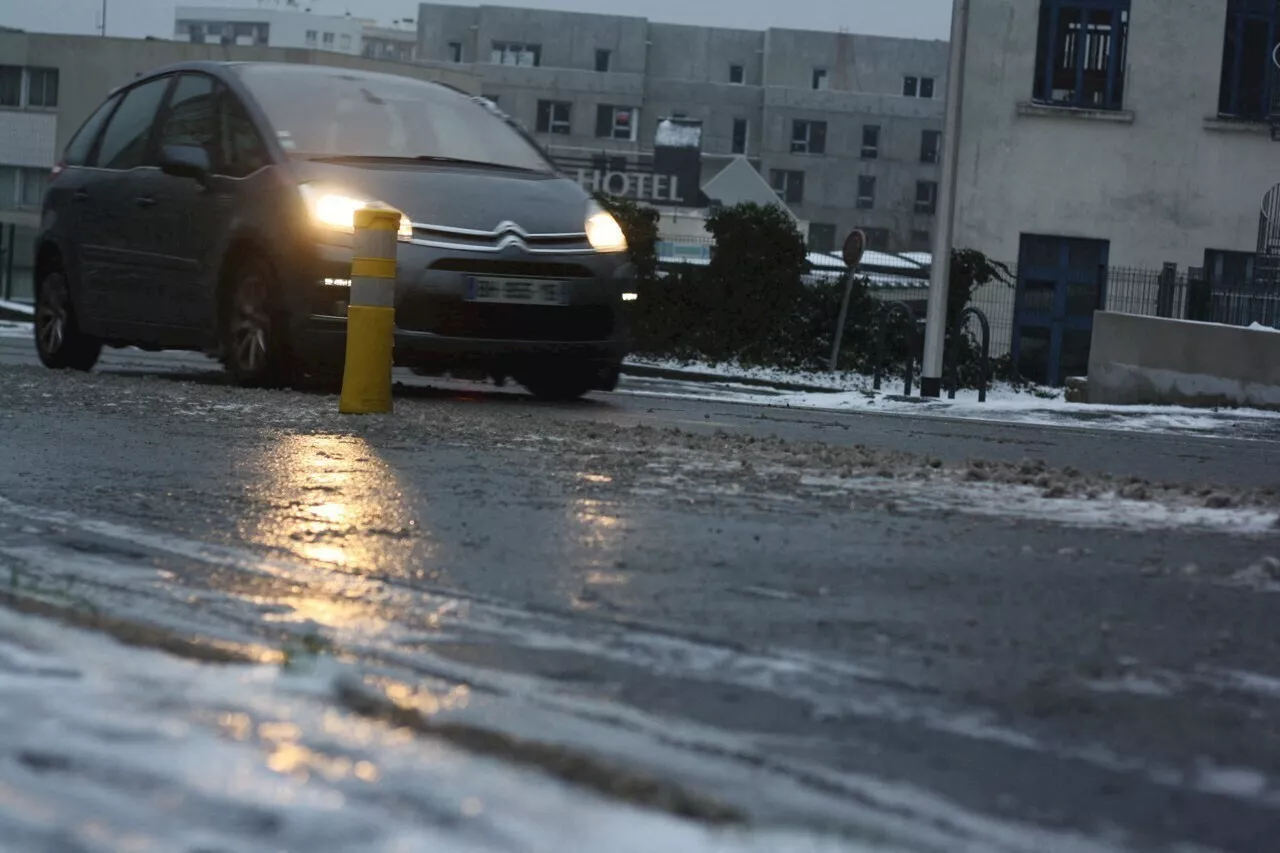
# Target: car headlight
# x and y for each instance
(337, 210)
(604, 232)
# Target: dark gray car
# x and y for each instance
(208, 206)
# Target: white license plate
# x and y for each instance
(525, 291)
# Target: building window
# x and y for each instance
(866, 192)
(870, 141)
(808, 137)
(602, 60)
(819, 78)
(613, 122)
(328, 39)
(921, 241)
(455, 51)
(1081, 53)
(1228, 268)
(555, 117)
(512, 53)
(312, 35)
(926, 87)
(737, 74)
(739, 136)
(22, 189)
(822, 237)
(28, 87)
(789, 185)
(930, 144)
(877, 239)
(1247, 70)
(910, 87)
(345, 42)
(926, 196)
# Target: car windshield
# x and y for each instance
(335, 112)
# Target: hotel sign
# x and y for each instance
(637, 185)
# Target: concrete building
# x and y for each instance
(268, 27)
(49, 84)
(1112, 133)
(846, 128)
(388, 43)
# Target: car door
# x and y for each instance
(64, 203)
(191, 214)
(115, 212)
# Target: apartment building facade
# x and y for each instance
(49, 84)
(845, 128)
(1105, 134)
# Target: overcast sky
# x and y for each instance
(914, 18)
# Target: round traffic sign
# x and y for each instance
(854, 245)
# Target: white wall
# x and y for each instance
(28, 138)
(1162, 181)
(288, 29)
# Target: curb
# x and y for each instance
(16, 311)
(700, 376)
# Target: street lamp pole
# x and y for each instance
(104, 17)
(935, 334)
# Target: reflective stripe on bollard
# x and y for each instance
(371, 314)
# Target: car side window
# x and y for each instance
(192, 116)
(124, 143)
(243, 151)
(81, 145)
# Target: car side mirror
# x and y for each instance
(186, 161)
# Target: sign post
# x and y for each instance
(935, 335)
(854, 247)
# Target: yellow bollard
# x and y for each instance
(371, 314)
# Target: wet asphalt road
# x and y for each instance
(704, 607)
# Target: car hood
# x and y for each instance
(462, 197)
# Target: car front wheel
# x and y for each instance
(59, 342)
(254, 344)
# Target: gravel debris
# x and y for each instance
(696, 465)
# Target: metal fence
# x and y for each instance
(1184, 294)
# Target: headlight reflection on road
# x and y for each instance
(598, 532)
(330, 499)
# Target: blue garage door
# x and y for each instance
(1061, 282)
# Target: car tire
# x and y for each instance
(560, 382)
(59, 342)
(255, 342)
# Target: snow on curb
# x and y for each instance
(851, 392)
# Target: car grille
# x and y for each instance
(529, 269)
(454, 318)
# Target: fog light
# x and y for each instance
(630, 297)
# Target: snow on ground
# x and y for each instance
(1005, 403)
(18, 307)
(12, 329)
(105, 747)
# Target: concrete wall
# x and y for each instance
(90, 67)
(831, 180)
(287, 29)
(568, 39)
(1148, 360)
(705, 54)
(685, 70)
(854, 63)
(1163, 180)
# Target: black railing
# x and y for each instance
(984, 357)
(888, 310)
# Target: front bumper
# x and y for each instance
(436, 325)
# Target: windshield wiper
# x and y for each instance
(419, 158)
